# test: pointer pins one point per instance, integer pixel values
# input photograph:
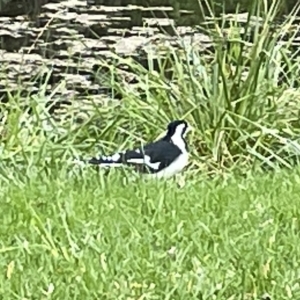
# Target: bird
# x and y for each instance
(160, 159)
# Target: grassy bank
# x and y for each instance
(74, 234)
(239, 90)
(91, 237)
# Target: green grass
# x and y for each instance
(228, 231)
(240, 95)
(90, 236)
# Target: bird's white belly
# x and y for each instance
(175, 167)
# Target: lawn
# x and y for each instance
(89, 236)
(227, 231)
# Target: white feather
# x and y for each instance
(112, 158)
(175, 167)
(146, 160)
(177, 138)
(111, 165)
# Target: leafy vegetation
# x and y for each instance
(71, 233)
(102, 237)
(241, 96)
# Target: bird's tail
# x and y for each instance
(115, 160)
(94, 161)
(109, 161)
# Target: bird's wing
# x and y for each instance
(148, 159)
(153, 157)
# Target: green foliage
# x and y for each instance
(71, 233)
(239, 95)
(87, 236)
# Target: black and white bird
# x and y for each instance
(161, 159)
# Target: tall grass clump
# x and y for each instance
(239, 93)
(70, 233)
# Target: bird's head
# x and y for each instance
(178, 128)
